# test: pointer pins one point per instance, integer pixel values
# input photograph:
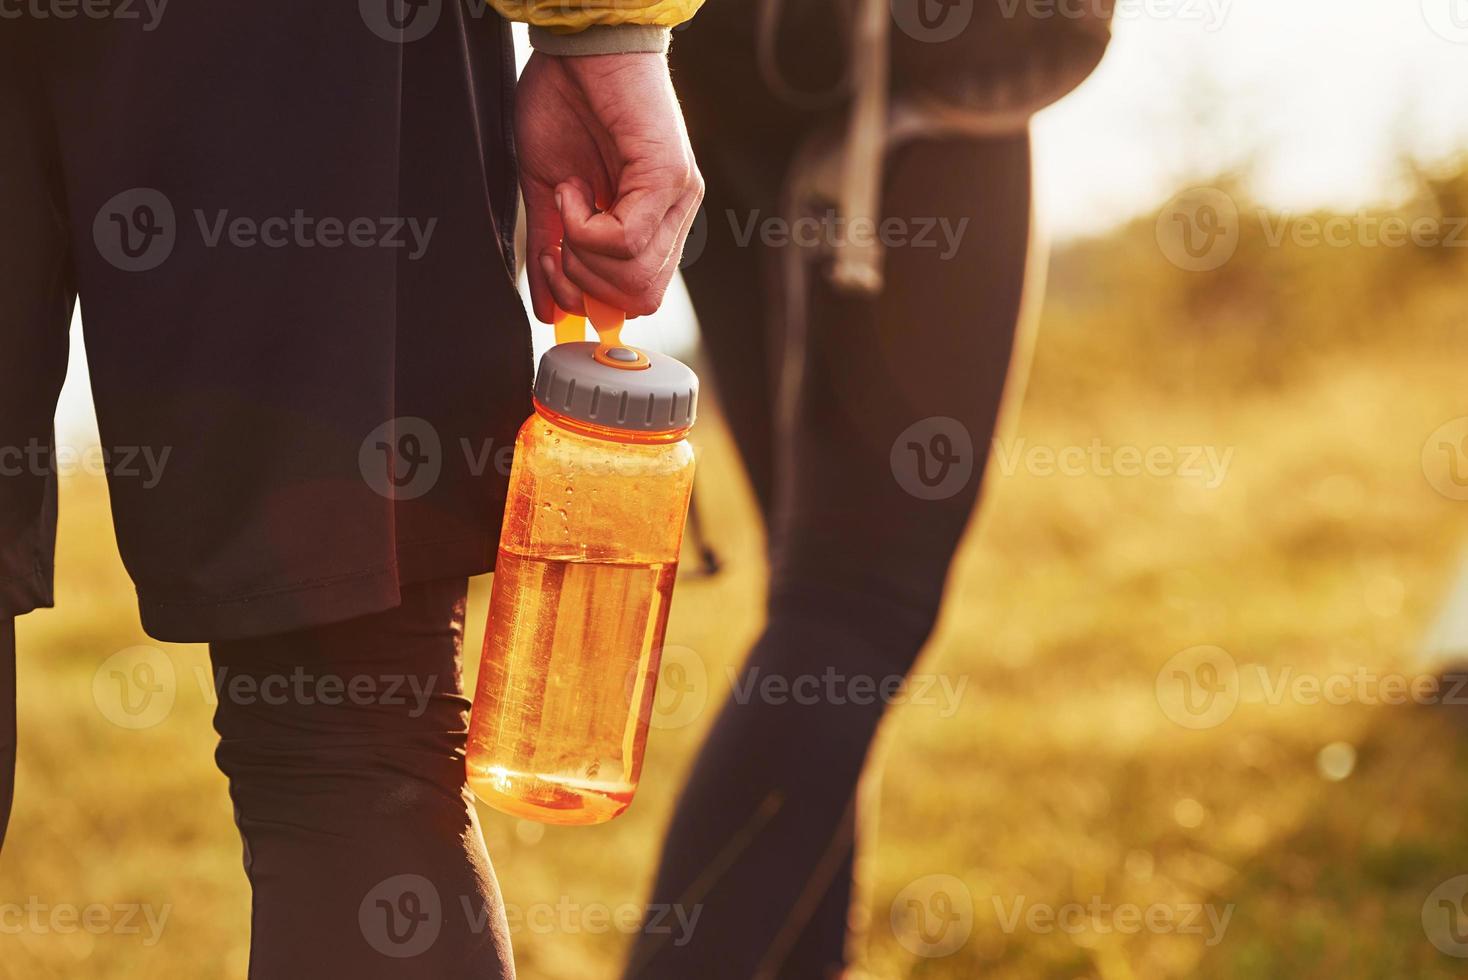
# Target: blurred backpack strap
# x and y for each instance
(858, 263)
(7, 722)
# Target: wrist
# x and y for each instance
(602, 39)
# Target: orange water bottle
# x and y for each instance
(598, 495)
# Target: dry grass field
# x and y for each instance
(1300, 835)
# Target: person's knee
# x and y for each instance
(849, 620)
(385, 757)
(367, 714)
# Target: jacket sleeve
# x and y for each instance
(576, 27)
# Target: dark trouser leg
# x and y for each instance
(37, 291)
(344, 748)
(762, 835)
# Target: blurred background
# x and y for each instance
(1195, 636)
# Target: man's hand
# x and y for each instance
(603, 132)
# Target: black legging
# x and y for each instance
(344, 748)
(763, 836)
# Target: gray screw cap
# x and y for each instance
(659, 397)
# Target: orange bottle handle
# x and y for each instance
(608, 321)
(569, 327)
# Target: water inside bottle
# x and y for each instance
(566, 685)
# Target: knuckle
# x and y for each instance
(644, 274)
(634, 281)
(634, 241)
(649, 300)
(575, 233)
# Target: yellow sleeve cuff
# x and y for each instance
(602, 39)
(564, 17)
